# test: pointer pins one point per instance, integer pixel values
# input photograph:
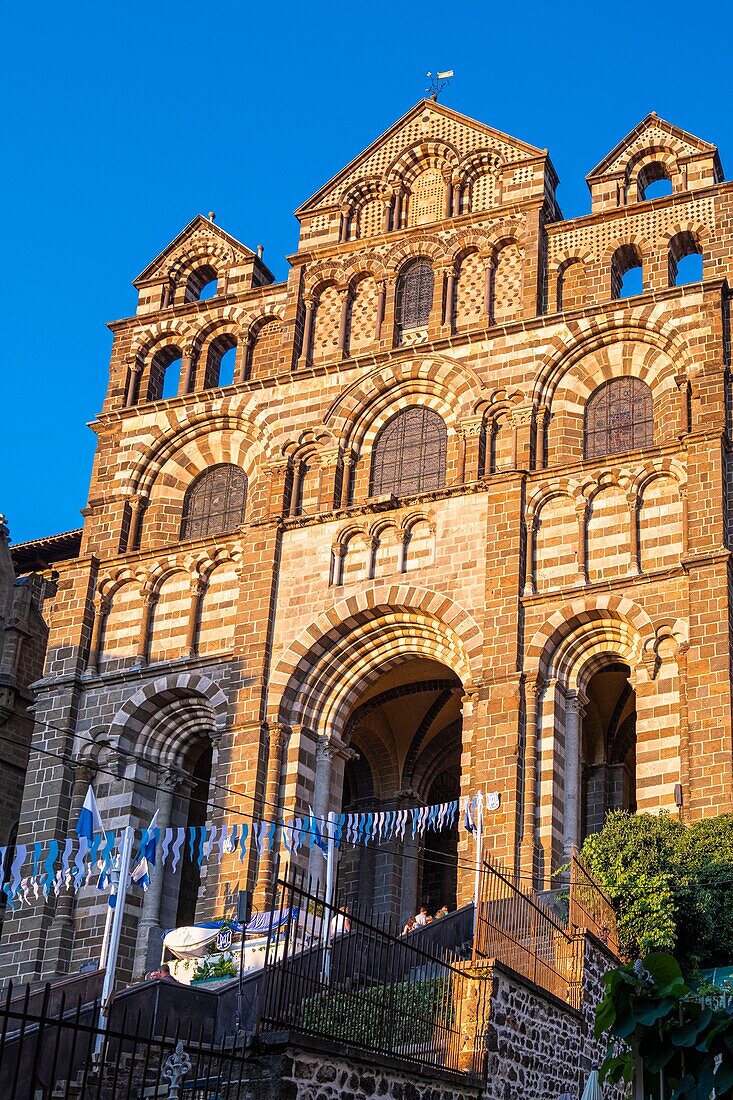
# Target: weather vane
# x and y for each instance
(438, 81)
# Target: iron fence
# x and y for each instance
(519, 930)
(59, 1051)
(590, 909)
(340, 977)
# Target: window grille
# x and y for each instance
(215, 502)
(415, 296)
(619, 417)
(409, 454)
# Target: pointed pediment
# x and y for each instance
(427, 124)
(198, 234)
(652, 133)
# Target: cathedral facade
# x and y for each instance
(443, 512)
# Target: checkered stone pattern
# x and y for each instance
(362, 322)
(471, 291)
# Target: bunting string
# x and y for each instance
(37, 869)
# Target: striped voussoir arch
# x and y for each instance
(586, 335)
(398, 385)
(323, 672)
(586, 626)
(167, 714)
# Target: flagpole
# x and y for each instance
(330, 882)
(108, 985)
(479, 845)
(105, 938)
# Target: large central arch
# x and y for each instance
(381, 675)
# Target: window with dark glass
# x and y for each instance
(415, 287)
(619, 417)
(409, 454)
(215, 502)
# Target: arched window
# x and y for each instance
(202, 284)
(409, 454)
(414, 295)
(627, 277)
(653, 181)
(619, 417)
(685, 259)
(220, 361)
(215, 502)
(165, 373)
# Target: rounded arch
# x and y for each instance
(160, 719)
(446, 382)
(323, 275)
(412, 161)
(432, 248)
(184, 432)
(587, 618)
(590, 336)
(366, 634)
(174, 330)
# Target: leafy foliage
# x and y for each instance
(683, 1041)
(666, 880)
(381, 1016)
(215, 968)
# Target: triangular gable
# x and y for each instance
(650, 132)
(426, 121)
(197, 231)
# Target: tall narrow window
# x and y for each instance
(215, 502)
(619, 417)
(414, 295)
(409, 454)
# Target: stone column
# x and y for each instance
(304, 358)
(326, 749)
(530, 538)
(529, 851)
(277, 737)
(327, 467)
(133, 383)
(632, 501)
(447, 179)
(398, 204)
(387, 216)
(198, 587)
(572, 800)
(102, 605)
(580, 512)
(471, 427)
(344, 218)
(60, 940)
(277, 471)
(450, 286)
(343, 321)
(245, 358)
(138, 504)
(149, 598)
(381, 299)
(188, 365)
(147, 945)
(348, 461)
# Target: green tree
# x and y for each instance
(671, 884)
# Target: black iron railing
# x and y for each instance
(59, 1051)
(342, 978)
(516, 928)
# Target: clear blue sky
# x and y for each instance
(122, 121)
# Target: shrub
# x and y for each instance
(668, 883)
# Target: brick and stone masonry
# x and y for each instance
(446, 509)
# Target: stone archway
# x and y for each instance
(374, 643)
